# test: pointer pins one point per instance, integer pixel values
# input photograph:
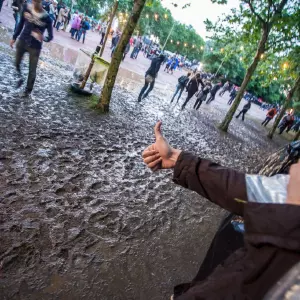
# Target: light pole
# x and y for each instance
(183, 7)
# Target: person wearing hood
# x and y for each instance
(244, 110)
(269, 246)
(30, 30)
(192, 87)
(150, 76)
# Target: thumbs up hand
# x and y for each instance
(160, 155)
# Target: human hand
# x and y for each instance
(293, 196)
(160, 155)
(11, 43)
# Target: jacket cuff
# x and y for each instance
(186, 163)
(275, 224)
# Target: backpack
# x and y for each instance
(182, 80)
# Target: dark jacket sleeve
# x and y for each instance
(49, 30)
(20, 25)
(222, 186)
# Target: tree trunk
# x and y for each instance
(103, 104)
(286, 104)
(112, 15)
(260, 50)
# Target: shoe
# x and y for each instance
(25, 94)
(139, 99)
(19, 83)
(144, 96)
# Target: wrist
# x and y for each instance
(174, 156)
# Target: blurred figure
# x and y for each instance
(192, 88)
(103, 32)
(17, 9)
(60, 18)
(270, 115)
(233, 94)
(213, 92)
(33, 23)
(246, 107)
(127, 49)
(52, 11)
(201, 97)
(82, 31)
(182, 82)
(150, 76)
(286, 122)
(75, 24)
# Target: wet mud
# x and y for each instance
(81, 217)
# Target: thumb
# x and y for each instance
(157, 130)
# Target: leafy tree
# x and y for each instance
(104, 101)
(252, 22)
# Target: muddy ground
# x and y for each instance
(81, 217)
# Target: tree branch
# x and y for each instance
(255, 13)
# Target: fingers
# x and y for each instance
(155, 163)
(157, 130)
(151, 158)
(148, 153)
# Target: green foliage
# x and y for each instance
(243, 27)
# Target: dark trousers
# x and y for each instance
(124, 55)
(34, 54)
(102, 38)
(230, 100)
(145, 90)
(81, 32)
(188, 98)
(266, 121)
(1, 3)
(211, 98)
(179, 89)
(73, 32)
(243, 111)
(133, 53)
(199, 101)
(57, 25)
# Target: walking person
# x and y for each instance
(192, 88)
(201, 97)
(246, 107)
(270, 115)
(52, 11)
(82, 31)
(213, 92)
(17, 11)
(103, 32)
(182, 82)
(136, 46)
(225, 88)
(33, 23)
(114, 43)
(150, 76)
(127, 49)
(75, 24)
(233, 94)
(60, 18)
(286, 123)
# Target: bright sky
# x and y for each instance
(198, 12)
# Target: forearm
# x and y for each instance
(220, 185)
